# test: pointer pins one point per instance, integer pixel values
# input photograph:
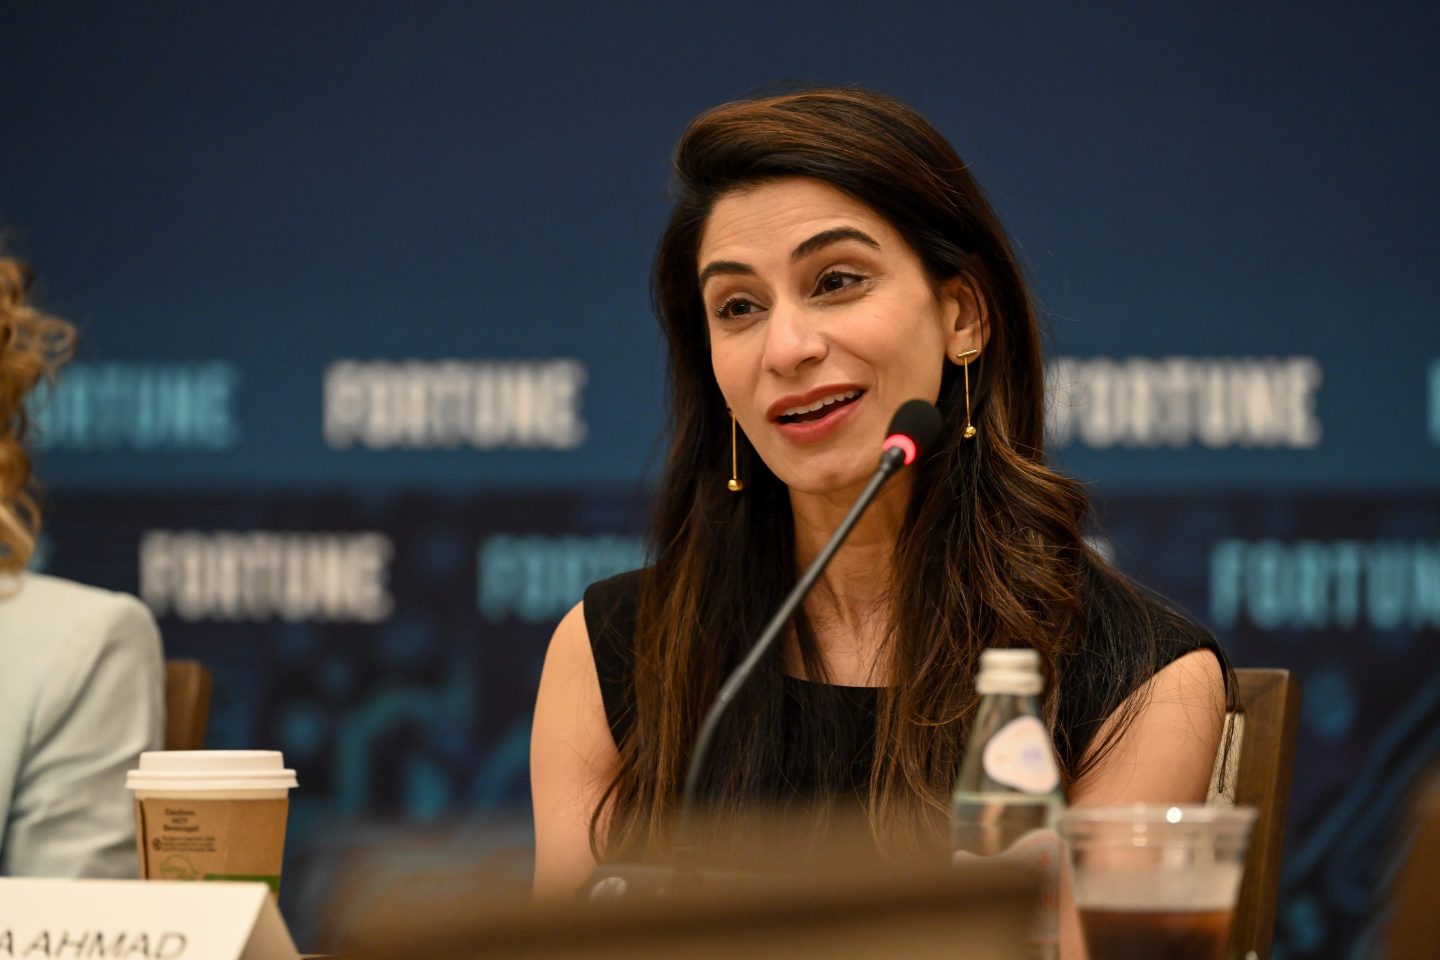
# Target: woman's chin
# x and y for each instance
(825, 481)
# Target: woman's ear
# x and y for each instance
(967, 320)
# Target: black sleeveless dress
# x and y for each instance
(845, 760)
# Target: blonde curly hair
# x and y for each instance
(33, 345)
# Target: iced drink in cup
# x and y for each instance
(1156, 881)
(211, 814)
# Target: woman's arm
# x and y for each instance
(1168, 752)
(572, 758)
(1165, 756)
(100, 706)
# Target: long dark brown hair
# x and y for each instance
(992, 552)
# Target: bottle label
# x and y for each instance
(1019, 756)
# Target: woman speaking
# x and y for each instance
(829, 258)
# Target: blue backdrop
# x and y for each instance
(369, 388)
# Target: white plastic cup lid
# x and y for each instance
(200, 770)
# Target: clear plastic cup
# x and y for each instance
(1156, 881)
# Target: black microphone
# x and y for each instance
(913, 430)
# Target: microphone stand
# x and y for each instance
(890, 463)
(915, 427)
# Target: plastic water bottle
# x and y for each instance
(1007, 797)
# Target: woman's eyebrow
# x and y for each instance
(825, 238)
(820, 241)
(717, 267)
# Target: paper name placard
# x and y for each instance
(140, 920)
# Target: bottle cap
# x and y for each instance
(1014, 671)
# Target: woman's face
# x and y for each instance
(822, 323)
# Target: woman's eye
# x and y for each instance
(734, 308)
(835, 281)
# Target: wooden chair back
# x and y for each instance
(1414, 927)
(1259, 764)
(188, 686)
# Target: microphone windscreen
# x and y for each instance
(919, 421)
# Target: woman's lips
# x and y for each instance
(809, 431)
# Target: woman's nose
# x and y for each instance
(792, 340)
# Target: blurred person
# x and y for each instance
(830, 257)
(81, 675)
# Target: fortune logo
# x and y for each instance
(262, 575)
(141, 406)
(449, 404)
(1182, 401)
(536, 578)
(1325, 585)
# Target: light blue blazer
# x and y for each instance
(81, 695)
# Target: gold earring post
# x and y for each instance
(963, 358)
(734, 486)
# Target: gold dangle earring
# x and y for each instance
(734, 486)
(964, 359)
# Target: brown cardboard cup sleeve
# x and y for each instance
(211, 814)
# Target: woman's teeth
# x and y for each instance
(820, 408)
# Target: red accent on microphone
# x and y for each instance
(905, 444)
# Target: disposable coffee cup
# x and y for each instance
(211, 814)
